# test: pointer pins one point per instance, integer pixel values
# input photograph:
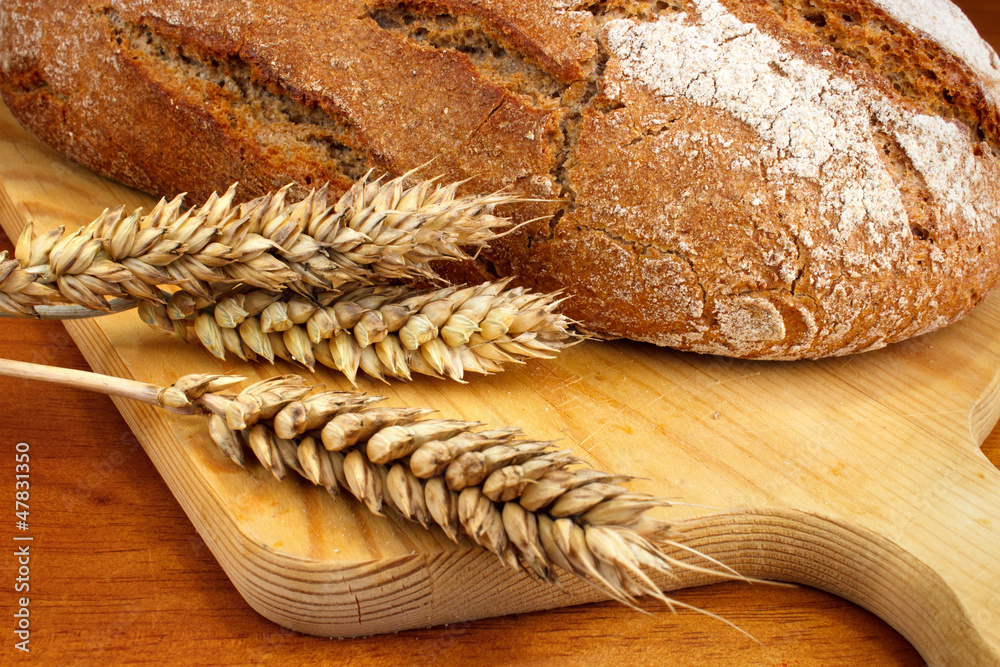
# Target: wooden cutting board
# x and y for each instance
(860, 475)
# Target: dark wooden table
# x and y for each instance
(118, 574)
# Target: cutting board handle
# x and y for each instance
(948, 609)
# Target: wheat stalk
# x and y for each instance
(383, 330)
(375, 232)
(529, 504)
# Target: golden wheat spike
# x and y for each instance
(374, 454)
(384, 331)
(376, 232)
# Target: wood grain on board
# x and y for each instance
(860, 475)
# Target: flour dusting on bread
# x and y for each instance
(947, 25)
(814, 123)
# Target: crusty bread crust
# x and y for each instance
(757, 178)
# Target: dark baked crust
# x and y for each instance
(653, 230)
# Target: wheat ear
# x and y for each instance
(375, 232)
(382, 330)
(521, 499)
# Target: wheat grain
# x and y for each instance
(376, 232)
(383, 331)
(20, 289)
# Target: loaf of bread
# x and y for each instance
(772, 179)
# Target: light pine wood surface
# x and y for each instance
(862, 476)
